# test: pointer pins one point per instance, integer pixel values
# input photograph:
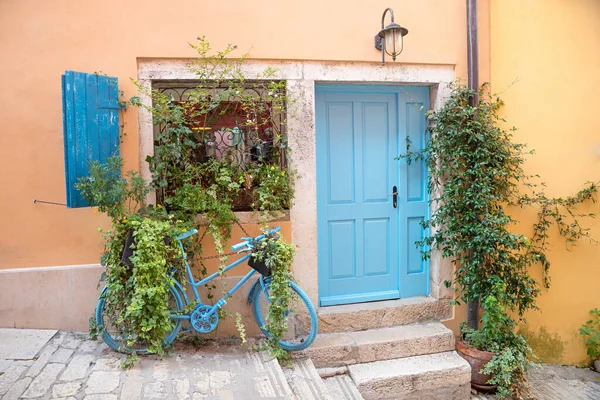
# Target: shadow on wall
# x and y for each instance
(547, 346)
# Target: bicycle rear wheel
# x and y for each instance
(114, 334)
(301, 316)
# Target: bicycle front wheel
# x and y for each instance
(302, 318)
(114, 332)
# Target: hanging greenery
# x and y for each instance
(221, 147)
(475, 174)
(137, 300)
(278, 257)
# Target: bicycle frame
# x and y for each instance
(195, 284)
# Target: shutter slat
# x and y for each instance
(90, 124)
(93, 133)
(81, 134)
(69, 132)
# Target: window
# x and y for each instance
(243, 126)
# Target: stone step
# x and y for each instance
(346, 348)
(382, 314)
(442, 376)
(305, 382)
(341, 387)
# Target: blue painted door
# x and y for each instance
(366, 245)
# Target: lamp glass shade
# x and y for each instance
(393, 42)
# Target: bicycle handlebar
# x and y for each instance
(247, 241)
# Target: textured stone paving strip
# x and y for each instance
(62, 355)
(17, 389)
(555, 382)
(42, 383)
(77, 368)
(23, 344)
(10, 376)
(102, 382)
(212, 371)
(66, 389)
(4, 364)
(43, 359)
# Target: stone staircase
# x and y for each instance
(382, 350)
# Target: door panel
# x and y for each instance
(358, 232)
(412, 197)
(363, 250)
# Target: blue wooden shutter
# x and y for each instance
(90, 125)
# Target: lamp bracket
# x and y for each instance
(378, 42)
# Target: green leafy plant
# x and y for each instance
(475, 174)
(591, 331)
(278, 257)
(191, 172)
(193, 176)
(498, 335)
(137, 299)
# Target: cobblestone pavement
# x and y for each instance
(556, 382)
(71, 367)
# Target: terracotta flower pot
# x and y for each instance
(477, 359)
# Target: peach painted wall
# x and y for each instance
(39, 40)
(544, 60)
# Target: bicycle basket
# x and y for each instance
(259, 266)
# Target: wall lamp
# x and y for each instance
(389, 39)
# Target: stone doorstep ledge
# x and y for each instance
(347, 348)
(382, 314)
(435, 376)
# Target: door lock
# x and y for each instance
(395, 197)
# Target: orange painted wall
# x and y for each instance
(39, 40)
(544, 60)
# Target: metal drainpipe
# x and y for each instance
(473, 82)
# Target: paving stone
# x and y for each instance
(4, 364)
(71, 341)
(24, 363)
(219, 379)
(42, 360)
(107, 364)
(62, 355)
(201, 382)
(66, 389)
(10, 376)
(41, 384)
(155, 390)
(90, 346)
(77, 368)
(226, 395)
(199, 396)
(181, 388)
(132, 387)
(17, 389)
(102, 382)
(23, 344)
(101, 397)
(65, 398)
(160, 372)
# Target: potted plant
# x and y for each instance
(475, 175)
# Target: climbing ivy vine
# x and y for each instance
(475, 175)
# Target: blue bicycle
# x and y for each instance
(301, 316)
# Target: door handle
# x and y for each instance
(395, 197)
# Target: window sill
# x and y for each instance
(251, 217)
